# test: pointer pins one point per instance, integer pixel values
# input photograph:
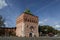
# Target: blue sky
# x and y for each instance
(48, 11)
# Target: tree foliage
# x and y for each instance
(47, 29)
(27, 11)
(2, 21)
(2, 31)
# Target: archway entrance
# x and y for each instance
(30, 34)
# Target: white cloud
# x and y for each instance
(57, 27)
(2, 4)
(43, 21)
(6, 24)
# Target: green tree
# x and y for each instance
(47, 29)
(2, 31)
(2, 21)
(27, 11)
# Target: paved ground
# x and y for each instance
(20, 38)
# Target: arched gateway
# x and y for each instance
(27, 25)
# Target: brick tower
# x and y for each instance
(27, 25)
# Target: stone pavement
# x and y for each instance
(24, 38)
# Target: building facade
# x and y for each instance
(27, 25)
